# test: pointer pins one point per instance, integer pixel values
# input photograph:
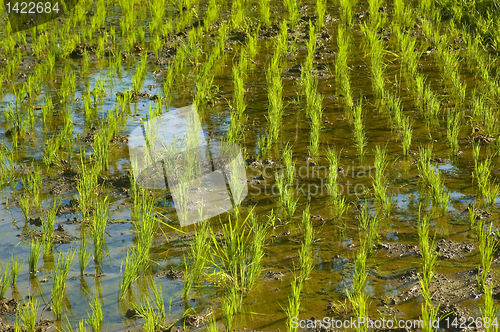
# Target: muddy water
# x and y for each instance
(392, 281)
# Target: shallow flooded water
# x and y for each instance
(394, 261)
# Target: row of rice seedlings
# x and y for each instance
(359, 131)
(487, 247)
(477, 59)
(410, 58)
(380, 182)
(376, 58)
(276, 107)
(48, 227)
(341, 67)
(59, 276)
(489, 190)
(429, 257)
(409, 55)
(449, 61)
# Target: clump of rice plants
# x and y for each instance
(98, 227)
(359, 131)
(198, 259)
(338, 201)
(453, 125)
(59, 276)
(429, 257)
(26, 316)
(380, 182)
(487, 247)
(48, 227)
(35, 252)
(128, 270)
(406, 131)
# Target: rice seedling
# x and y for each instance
(5, 282)
(25, 202)
(145, 227)
(487, 247)
(358, 297)
(85, 186)
(320, 11)
(231, 303)
(482, 173)
(424, 163)
(380, 183)
(196, 266)
(472, 215)
(453, 125)
(95, 319)
(275, 91)
(347, 9)
(48, 227)
(35, 252)
(264, 12)
(316, 121)
(15, 268)
(305, 254)
(59, 276)
(256, 250)
(429, 257)
(293, 11)
(26, 316)
(98, 227)
(84, 253)
(359, 132)
(407, 130)
(32, 183)
(128, 270)
(294, 302)
(490, 319)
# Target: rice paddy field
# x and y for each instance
(369, 139)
